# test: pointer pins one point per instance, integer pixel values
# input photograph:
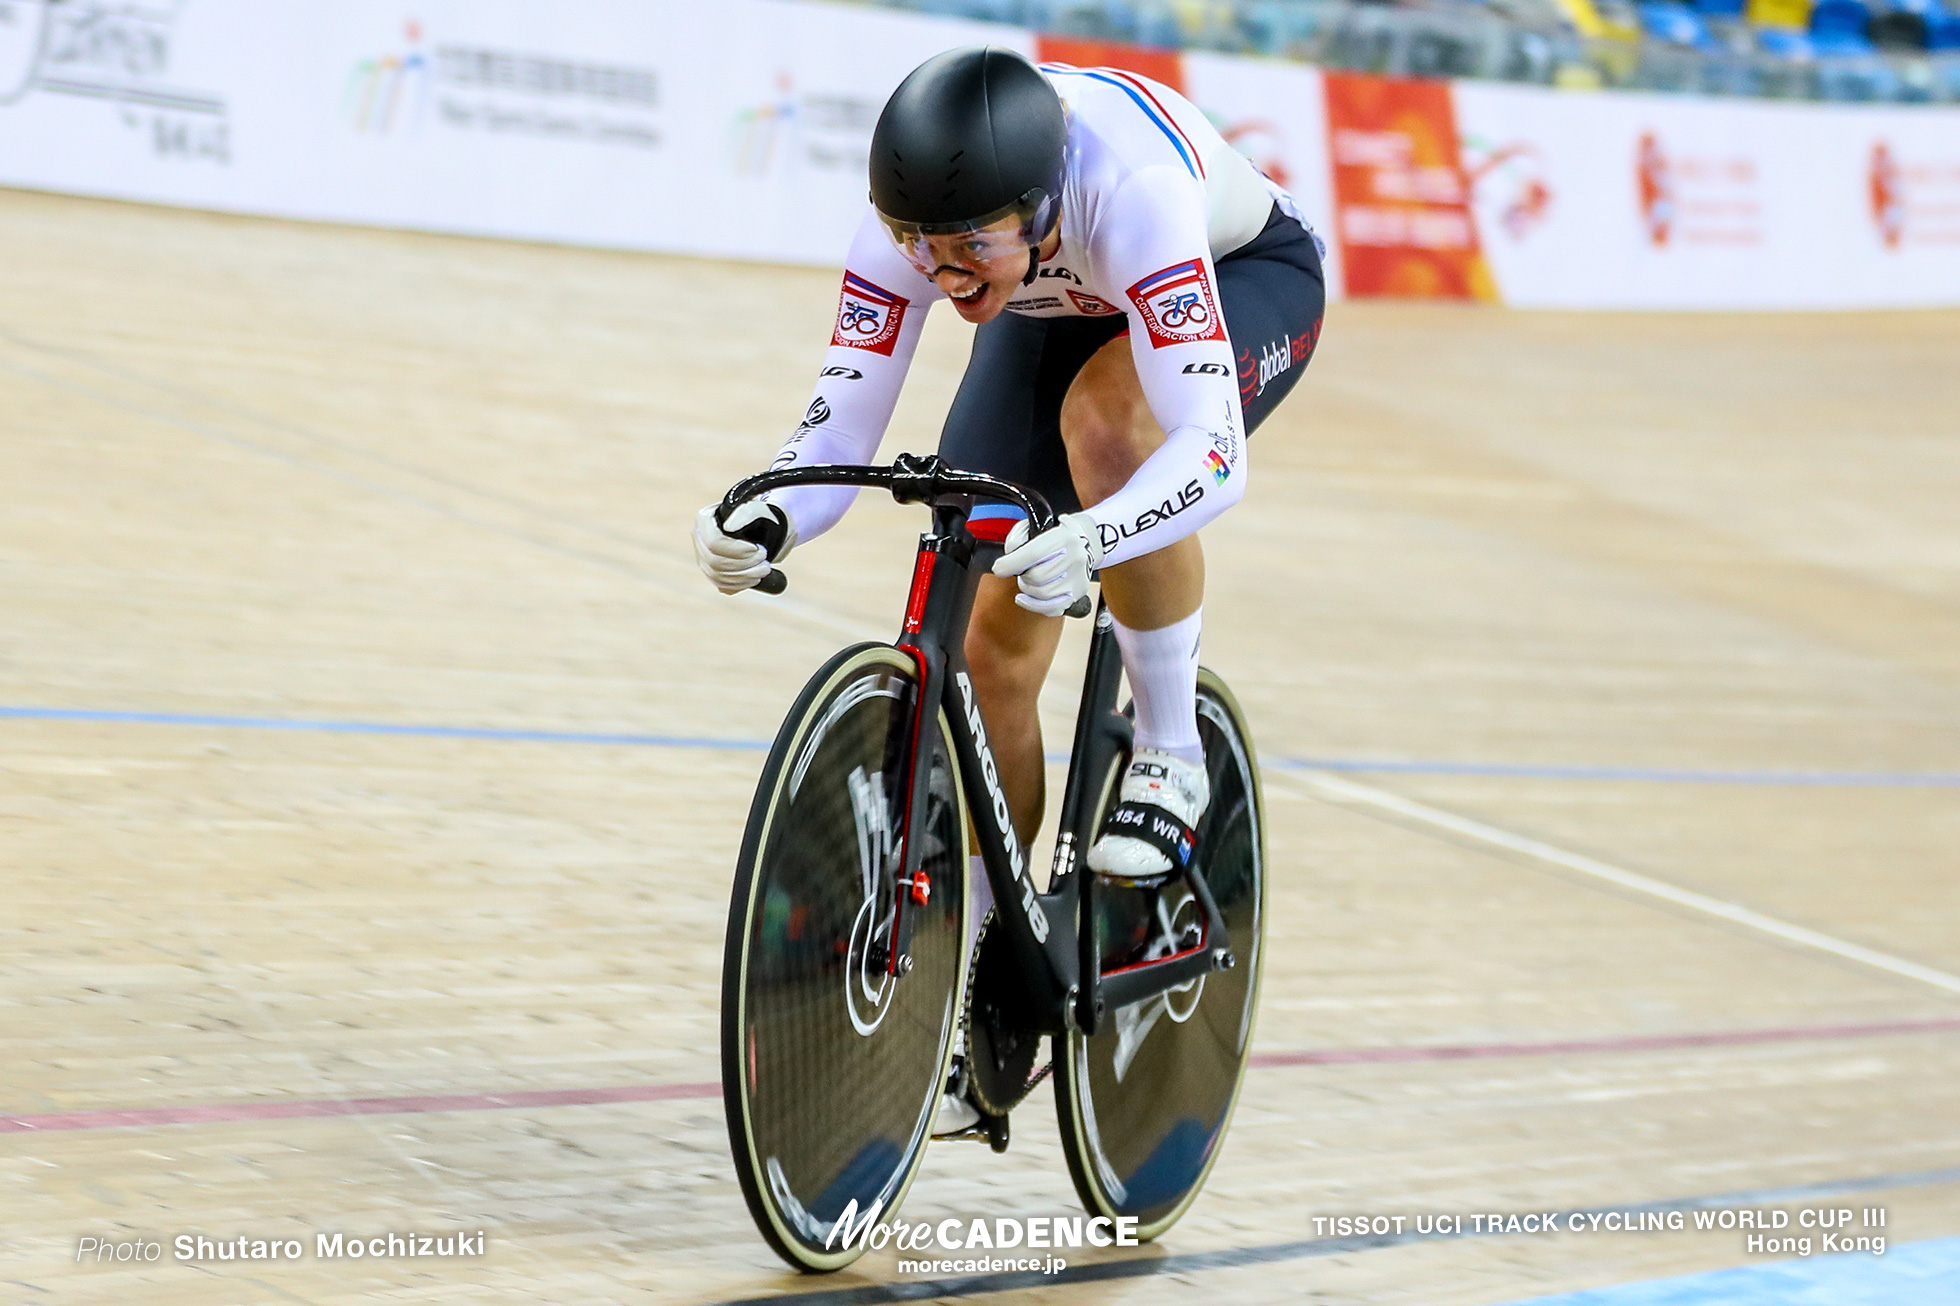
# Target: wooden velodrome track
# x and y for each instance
(1673, 597)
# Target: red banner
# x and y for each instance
(1403, 203)
(1159, 65)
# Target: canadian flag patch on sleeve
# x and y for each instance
(1177, 306)
(868, 316)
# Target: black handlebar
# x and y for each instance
(911, 478)
(767, 532)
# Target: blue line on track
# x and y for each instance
(380, 728)
(1912, 1274)
(1644, 774)
(1365, 766)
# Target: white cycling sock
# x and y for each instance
(1163, 669)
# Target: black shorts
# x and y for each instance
(1006, 419)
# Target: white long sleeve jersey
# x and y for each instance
(1151, 195)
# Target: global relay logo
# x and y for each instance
(390, 89)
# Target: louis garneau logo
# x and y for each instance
(976, 1246)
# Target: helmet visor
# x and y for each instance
(967, 246)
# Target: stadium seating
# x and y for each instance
(1838, 27)
(1899, 50)
(1783, 43)
(1943, 29)
(1676, 24)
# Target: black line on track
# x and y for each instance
(1136, 1267)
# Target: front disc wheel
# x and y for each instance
(838, 1016)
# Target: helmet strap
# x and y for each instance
(1053, 213)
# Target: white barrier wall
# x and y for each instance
(1614, 199)
(739, 129)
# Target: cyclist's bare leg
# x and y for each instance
(1008, 650)
(1109, 431)
(1107, 426)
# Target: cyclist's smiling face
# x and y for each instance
(980, 271)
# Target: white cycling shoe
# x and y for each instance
(1152, 829)
(956, 1115)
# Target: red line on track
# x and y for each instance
(358, 1106)
(298, 1109)
(1639, 1043)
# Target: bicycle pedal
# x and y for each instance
(958, 1117)
(991, 1130)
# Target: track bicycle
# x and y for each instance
(864, 974)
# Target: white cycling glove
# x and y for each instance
(735, 564)
(1054, 566)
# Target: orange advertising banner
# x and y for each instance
(1403, 204)
(1165, 66)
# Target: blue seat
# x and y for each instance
(1840, 26)
(1675, 24)
(1720, 8)
(1839, 44)
(1942, 27)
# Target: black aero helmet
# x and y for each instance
(969, 138)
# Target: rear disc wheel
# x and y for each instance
(1144, 1103)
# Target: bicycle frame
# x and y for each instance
(1053, 960)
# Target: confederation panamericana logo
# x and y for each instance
(1177, 305)
(868, 316)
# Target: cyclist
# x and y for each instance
(1114, 252)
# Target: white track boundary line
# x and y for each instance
(1344, 790)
